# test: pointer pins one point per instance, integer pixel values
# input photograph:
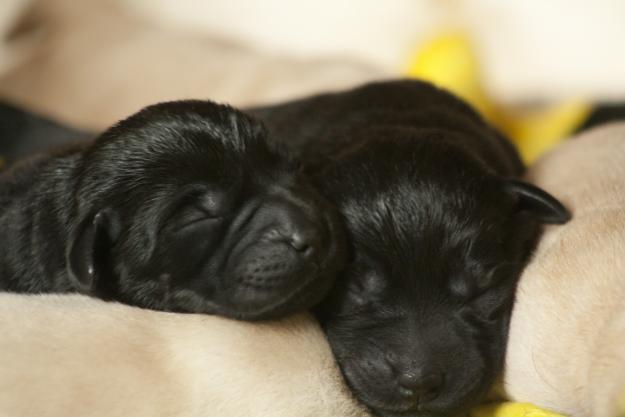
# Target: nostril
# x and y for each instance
(413, 384)
(391, 358)
(407, 393)
(408, 380)
(305, 242)
(296, 226)
(300, 242)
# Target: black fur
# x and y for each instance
(439, 232)
(23, 134)
(181, 207)
(603, 113)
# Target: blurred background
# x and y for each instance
(88, 63)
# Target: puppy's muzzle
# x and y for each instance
(294, 231)
(284, 245)
(416, 384)
(402, 385)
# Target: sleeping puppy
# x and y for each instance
(566, 349)
(181, 207)
(439, 232)
(69, 355)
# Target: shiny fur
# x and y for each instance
(183, 206)
(439, 231)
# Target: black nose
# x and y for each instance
(295, 228)
(304, 240)
(419, 385)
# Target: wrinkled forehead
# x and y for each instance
(427, 226)
(157, 149)
(403, 207)
(185, 128)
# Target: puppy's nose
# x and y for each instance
(296, 229)
(420, 385)
(303, 239)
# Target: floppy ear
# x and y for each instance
(538, 202)
(88, 252)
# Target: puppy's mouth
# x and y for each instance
(272, 277)
(372, 396)
(273, 301)
(268, 269)
(380, 391)
(391, 406)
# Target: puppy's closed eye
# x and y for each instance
(197, 207)
(191, 232)
(366, 284)
(193, 214)
(471, 284)
(485, 296)
(360, 289)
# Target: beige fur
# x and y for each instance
(76, 356)
(567, 341)
(94, 64)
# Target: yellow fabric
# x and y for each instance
(536, 132)
(510, 409)
(450, 62)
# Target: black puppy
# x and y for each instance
(439, 233)
(181, 207)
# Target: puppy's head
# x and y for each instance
(418, 319)
(184, 207)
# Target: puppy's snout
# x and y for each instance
(420, 386)
(417, 383)
(295, 230)
(303, 240)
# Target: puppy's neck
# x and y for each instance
(35, 202)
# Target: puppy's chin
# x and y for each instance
(376, 392)
(376, 386)
(366, 389)
(244, 302)
(268, 280)
(304, 289)
(393, 407)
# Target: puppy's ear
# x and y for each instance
(88, 253)
(538, 202)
